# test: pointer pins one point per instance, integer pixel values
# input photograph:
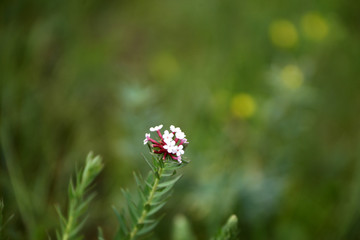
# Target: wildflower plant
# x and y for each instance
(155, 189)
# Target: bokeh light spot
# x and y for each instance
(283, 34)
(314, 26)
(292, 76)
(243, 105)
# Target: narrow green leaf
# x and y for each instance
(137, 180)
(160, 199)
(131, 206)
(83, 206)
(150, 177)
(141, 196)
(149, 185)
(175, 166)
(162, 191)
(156, 162)
(71, 190)
(61, 216)
(168, 174)
(121, 220)
(150, 165)
(155, 208)
(78, 227)
(148, 221)
(171, 182)
(147, 228)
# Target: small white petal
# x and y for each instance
(159, 127)
(180, 135)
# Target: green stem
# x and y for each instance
(146, 210)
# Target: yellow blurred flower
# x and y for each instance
(292, 76)
(314, 26)
(243, 105)
(283, 34)
(163, 66)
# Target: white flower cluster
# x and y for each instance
(168, 145)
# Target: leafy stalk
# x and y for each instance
(78, 203)
(153, 194)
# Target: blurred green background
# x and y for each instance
(266, 91)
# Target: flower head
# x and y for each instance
(171, 143)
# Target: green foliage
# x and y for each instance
(229, 231)
(153, 193)
(78, 201)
